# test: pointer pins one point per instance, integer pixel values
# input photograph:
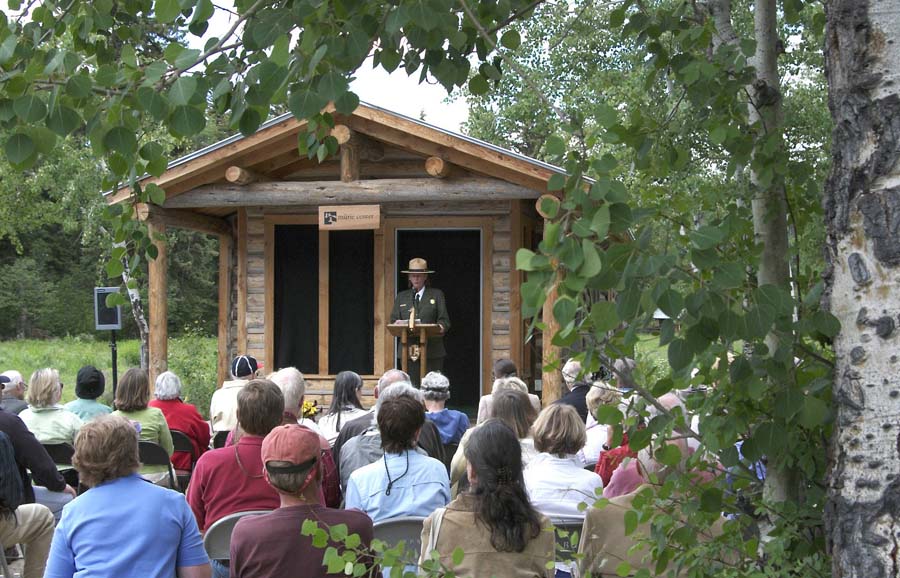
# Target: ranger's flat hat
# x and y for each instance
(418, 265)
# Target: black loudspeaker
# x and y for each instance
(106, 318)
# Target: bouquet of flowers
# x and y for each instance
(310, 409)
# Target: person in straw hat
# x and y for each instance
(430, 306)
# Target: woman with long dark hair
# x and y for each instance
(345, 405)
(496, 526)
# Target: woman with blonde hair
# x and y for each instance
(49, 421)
(598, 395)
(513, 408)
(510, 382)
(132, 402)
(556, 480)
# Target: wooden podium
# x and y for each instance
(407, 332)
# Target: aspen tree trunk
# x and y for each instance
(862, 212)
(769, 206)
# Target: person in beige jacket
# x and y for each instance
(499, 531)
(604, 544)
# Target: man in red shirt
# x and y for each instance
(231, 479)
(272, 545)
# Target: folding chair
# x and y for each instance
(219, 439)
(4, 567)
(61, 454)
(152, 454)
(217, 540)
(183, 443)
(567, 531)
(407, 529)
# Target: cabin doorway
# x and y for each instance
(456, 257)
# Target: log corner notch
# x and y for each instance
(355, 147)
(241, 176)
(437, 167)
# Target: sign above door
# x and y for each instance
(346, 217)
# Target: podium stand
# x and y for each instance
(408, 332)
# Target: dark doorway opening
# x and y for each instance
(351, 304)
(455, 256)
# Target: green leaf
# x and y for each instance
(203, 11)
(305, 103)
(623, 569)
(826, 323)
(346, 103)
(153, 102)
(19, 148)
(628, 302)
(592, 263)
(555, 145)
(29, 108)
(182, 90)
(332, 85)
(8, 48)
(156, 193)
(250, 121)
(556, 182)
(669, 455)
(120, 140)
(511, 39)
(63, 120)
(600, 221)
(631, 522)
(186, 121)
(671, 303)
(680, 354)
(707, 237)
(564, 310)
(338, 532)
(458, 556)
(603, 316)
(609, 415)
(478, 85)
(166, 11)
(814, 412)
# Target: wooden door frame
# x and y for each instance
(389, 274)
(270, 222)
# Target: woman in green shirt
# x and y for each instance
(132, 397)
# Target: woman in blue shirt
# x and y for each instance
(451, 424)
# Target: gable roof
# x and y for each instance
(274, 146)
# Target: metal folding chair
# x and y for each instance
(217, 540)
(183, 443)
(153, 454)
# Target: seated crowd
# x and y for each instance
(494, 490)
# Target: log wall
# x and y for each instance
(253, 299)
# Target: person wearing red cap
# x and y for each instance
(272, 545)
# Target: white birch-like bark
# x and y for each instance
(862, 204)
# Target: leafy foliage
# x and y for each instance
(654, 210)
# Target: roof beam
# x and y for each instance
(242, 176)
(182, 219)
(311, 193)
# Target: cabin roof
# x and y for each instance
(406, 142)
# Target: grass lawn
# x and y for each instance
(192, 358)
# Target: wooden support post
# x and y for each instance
(517, 241)
(224, 307)
(241, 344)
(158, 303)
(437, 167)
(242, 176)
(551, 381)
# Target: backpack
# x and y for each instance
(11, 492)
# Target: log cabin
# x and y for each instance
(294, 291)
